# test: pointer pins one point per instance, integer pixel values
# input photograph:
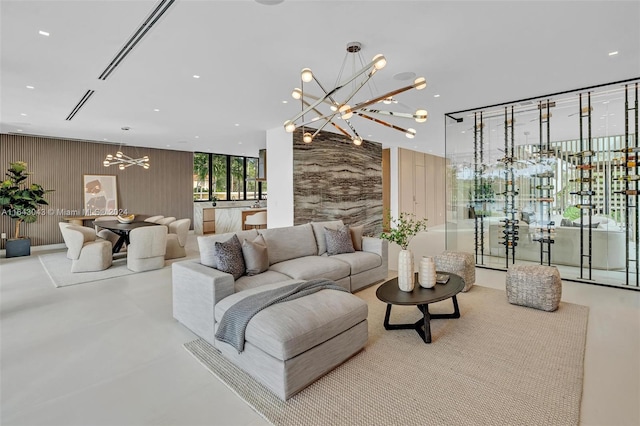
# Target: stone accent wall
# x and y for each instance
(334, 179)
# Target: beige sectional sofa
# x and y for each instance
(288, 345)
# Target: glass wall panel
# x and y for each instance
(549, 181)
(237, 178)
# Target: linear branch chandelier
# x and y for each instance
(311, 104)
(123, 161)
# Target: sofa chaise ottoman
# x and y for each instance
(291, 344)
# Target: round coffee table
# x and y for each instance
(390, 293)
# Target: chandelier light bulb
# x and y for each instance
(121, 166)
(289, 126)
(420, 83)
(119, 154)
(146, 165)
(334, 108)
(379, 61)
(296, 94)
(388, 100)
(105, 163)
(145, 158)
(345, 115)
(421, 116)
(411, 133)
(307, 138)
(306, 75)
(109, 157)
(357, 140)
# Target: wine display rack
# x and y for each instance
(510, 231)
(545, 188)
(584, 184)
(479, 195)
(631, 173)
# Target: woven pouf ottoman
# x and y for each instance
(459, 263)
(535, 286)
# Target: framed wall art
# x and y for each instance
(100, 195)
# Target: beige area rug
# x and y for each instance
(498, 364)
(58, 267)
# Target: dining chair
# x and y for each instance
(256, 220)
(177, 238)
(86, 252)
(154, 219)
(166, 220)
(106, 234)
(147, 247)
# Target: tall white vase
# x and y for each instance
(405, 270)
(427, 272)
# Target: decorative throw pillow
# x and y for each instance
(338, 240)
(356, 236)
(229, 257)
(256, 258)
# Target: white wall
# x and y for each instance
(279, 178)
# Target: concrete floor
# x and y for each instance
(110, 353)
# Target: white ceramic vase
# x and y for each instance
(427, 272)
(405, 270)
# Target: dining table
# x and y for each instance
(122, 230)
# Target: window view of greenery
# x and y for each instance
(237, 178)
(200, 176)
(252, 174)
(219, 176)
(213, 172)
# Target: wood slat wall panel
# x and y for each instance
(59, 164)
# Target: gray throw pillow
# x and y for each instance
(356, 236)
(338, 240)
(229, 257)
(256, 258)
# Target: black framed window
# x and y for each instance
(226, 177)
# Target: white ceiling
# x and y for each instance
(249, 57)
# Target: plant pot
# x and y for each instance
(405, 270)
(17, 247)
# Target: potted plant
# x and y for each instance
(402, 230)
(21, 202)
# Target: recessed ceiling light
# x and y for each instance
(613, 53)
(239, 143)
(408, 75)
(156, 110)
(19, 130)
(104, 139)
(463, 131)
(196, 76)
(237, 124)
(30, 87)
(436, 96)
(197, 137)
(285, 102)
(605, 102)
(168, 145)
(44, 33)
(23, 114)
(269, 2)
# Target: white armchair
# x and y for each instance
(166, 220)
(177, 238)
(154, 219)
(84, 249)
(147, 246)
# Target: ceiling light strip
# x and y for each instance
(157, 13)
(80, 104)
